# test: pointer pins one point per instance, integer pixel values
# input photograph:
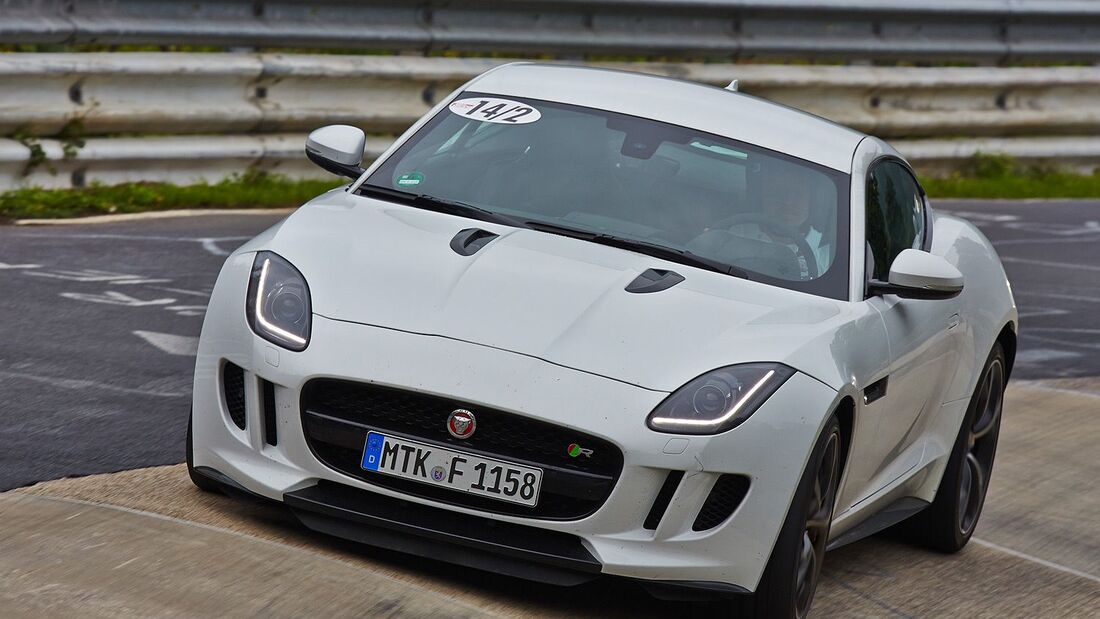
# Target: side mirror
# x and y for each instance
(917, 274)
(338, 149)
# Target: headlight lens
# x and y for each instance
(719, 400)
(278, 305)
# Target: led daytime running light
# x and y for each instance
(264, 322)
(672, 421)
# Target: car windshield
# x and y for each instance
(572, 169)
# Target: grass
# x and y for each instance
(1001, 176)
(247, 191)
(985, 176)
(1053, 185)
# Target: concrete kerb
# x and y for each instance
(199, 552)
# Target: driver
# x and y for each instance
(787, 200)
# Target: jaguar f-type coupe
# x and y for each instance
(580, 322)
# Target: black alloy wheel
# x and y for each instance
(815, 533)
(947, 524)
(981, 446)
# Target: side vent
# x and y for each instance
(271, 427)
(233, 390)
(664, 497)
(725, 496)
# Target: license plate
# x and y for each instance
(455, 470)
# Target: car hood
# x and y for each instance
(556, 298)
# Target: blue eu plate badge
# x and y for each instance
(373, 451)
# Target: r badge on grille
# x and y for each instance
(461, 423)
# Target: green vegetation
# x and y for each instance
(986, 176)
(1000, 176)
(252, 190)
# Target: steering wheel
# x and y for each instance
(774, 229)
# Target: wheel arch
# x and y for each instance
(845, 412)
(1007, 339)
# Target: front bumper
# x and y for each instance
(770, 449)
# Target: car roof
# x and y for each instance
(688, 104)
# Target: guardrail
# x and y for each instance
(988, 31)
(63, 113)
(203, 93)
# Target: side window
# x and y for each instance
(895, 215)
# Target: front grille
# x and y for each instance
(336, 416)
(233, 390)
(725, 496)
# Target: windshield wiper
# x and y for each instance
(443, 205)
(656, 250)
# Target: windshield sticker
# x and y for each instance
(492, 110)
(721, 150)
(411, 179)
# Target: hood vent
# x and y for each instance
(467, 242)
(654, 280)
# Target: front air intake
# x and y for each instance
(664, 497)
(725, 496)
(233, 392)
(271, 422)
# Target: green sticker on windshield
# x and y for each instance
(411, 179)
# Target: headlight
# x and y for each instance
(278, 306)
(719, 400)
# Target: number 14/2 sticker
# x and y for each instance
(492, 110)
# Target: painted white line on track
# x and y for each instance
(108, 219)
(1047, 263)
(79, 384)
(1036, 356)
(116, 298)
(1059, 342)
(182, 345)
(199, 293)
(1023, 555)
(1070, 297)
(211, 245)
(1080, 239)
(990, 217)
(126, 237)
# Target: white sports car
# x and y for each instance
(579, 322)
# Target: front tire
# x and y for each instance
(947, 524)
(201, 481)
(787, 588)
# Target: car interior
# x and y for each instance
(629, 177)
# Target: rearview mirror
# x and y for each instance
(338, 149)
(917, 274)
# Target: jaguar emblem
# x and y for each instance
(461, 423)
